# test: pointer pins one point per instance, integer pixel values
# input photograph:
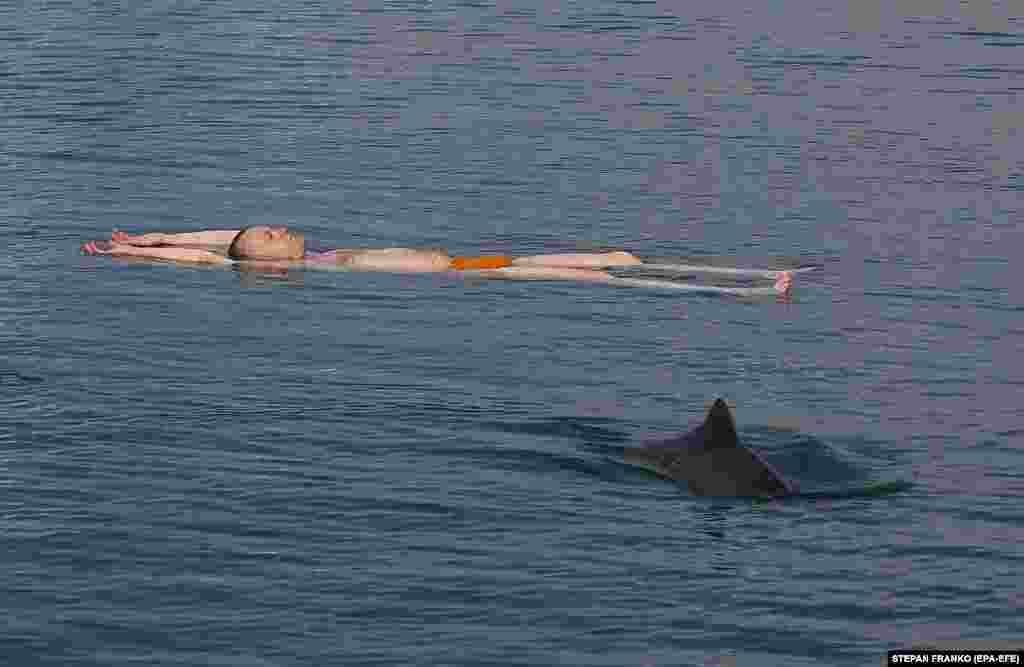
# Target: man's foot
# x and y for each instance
(784, 283)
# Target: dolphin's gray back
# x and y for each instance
(711, 460)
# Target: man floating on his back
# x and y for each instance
(278, 247)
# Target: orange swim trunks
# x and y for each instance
(482, 262)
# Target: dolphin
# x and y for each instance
(711, 460)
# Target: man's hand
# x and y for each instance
(99, 248)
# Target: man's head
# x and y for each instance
(261, 242)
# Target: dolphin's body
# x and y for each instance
(711, 460)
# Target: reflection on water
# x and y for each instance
(251, 275)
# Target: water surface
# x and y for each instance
(201, 466)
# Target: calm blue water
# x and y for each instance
(201, 466)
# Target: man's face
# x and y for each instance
(263, 242)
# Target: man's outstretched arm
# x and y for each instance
(212, 237)
(170, 254)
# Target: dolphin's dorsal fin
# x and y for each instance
(719, 429)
